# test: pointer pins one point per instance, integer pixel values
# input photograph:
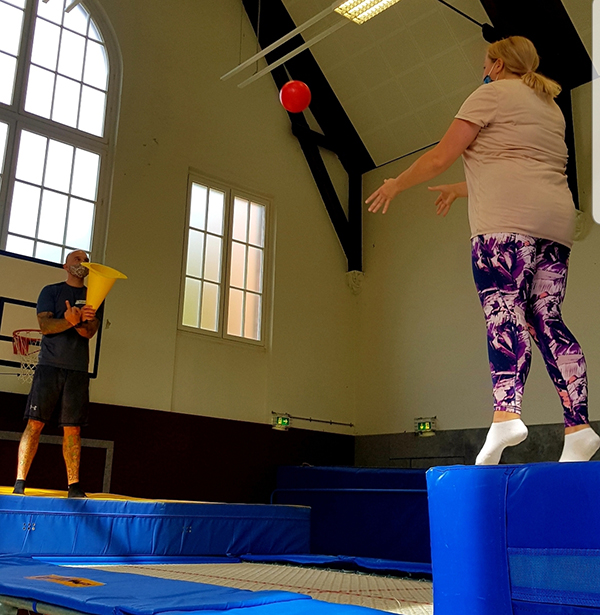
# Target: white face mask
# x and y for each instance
(79, 271)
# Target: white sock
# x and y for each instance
(501, 435)
(580, 445)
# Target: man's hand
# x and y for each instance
(87, 313)
(72, 314)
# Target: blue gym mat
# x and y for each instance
(112, 526)
(99, 592)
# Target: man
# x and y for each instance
(61, 380)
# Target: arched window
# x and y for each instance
(59, 92)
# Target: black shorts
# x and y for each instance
(65, 391)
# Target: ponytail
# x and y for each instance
(541, 85)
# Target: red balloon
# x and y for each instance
(295, 96)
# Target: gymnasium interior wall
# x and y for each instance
(411, 344)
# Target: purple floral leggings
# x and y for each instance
(521, 282)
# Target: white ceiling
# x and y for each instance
(403, 75)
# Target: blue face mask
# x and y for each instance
(487, 78)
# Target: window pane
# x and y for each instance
(30, 161)
(191, 303)
(47, 252)
(18, 3)
(66, 101)
(212, 265)
(52, 10)
(8, 65)
(58, 166)
(45, 44)
(198, 206)
(240, 219)
(96, 66)
(255, 269)
(210, 307)
(80, 224)
(11, 21)
(40, 88)
(85, 174)
(236, 306)
(216, 202)
(238, 264)
(70, 59)
(252, 317)
(52, 217)
(91, 116)
(18, 245)
(195, 255)
(24, 209)
(257, 224)
(93, 32)
(3, 139)
(76, 19)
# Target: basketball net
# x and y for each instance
(26, 344)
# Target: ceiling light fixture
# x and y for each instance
(357, 11)
(360, 11)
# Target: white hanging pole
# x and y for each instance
(71, 6)
(283, 39)
(295, 52)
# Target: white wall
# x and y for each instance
(411, 344)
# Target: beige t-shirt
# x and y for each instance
(515, 168)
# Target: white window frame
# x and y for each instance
(18, 120)
(231, 191)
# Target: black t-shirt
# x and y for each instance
(68, 349)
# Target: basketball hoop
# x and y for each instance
(26, 344)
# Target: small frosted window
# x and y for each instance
(191, 303)
(225, 262)
(210, 307)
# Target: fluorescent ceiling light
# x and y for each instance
(360, 11)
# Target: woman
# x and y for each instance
(510, 133)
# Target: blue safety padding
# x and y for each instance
(122, 593)
(345, 563)
(515, 539)
(129, 560)
(131, 594)
(338, 478)
(571, 491)
(301, 607)
(468, 540)
(361, 512)
(556, 576)
(91, 527)
(528, 608)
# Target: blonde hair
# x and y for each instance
(521, 58)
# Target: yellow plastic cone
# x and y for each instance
(100, 281)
